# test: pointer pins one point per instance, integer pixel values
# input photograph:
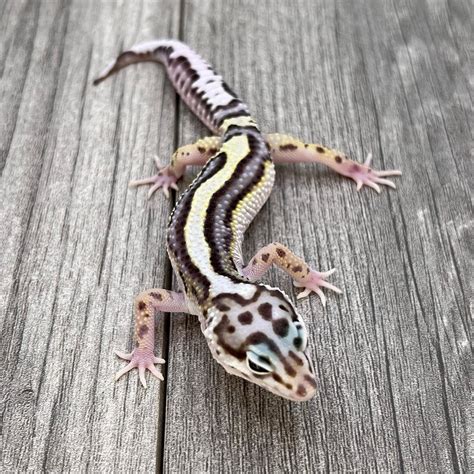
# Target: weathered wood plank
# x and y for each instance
(392, 353)
(76, 244)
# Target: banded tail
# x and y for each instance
(200, 87)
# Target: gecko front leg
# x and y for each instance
(303, 276)
(286, 149)
(187, 155)
(146, 305)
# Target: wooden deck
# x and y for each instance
(392, 353)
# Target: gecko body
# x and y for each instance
(253, 330)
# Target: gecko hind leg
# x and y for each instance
(167, 177)
(146, 305)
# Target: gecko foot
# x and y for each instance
(164, 179)
(363, 175)
(142, 359)
(313, 282)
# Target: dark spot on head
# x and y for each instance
(281, 253)
(265, 310)
(297, 342)
(290, 371)
(301, 390)
(297, 359)
(220, 331)
(142, 331)
(245, 318)
(141, 305)
(320, 149)
(231, 329)
(310, 380)
(298, 268)
(265, 257)
(277, 378)
(289, 386)
(338, 159)
(280, 327)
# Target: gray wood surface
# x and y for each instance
(392, 354)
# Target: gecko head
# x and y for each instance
(257, 334)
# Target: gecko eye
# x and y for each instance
(301, 341)
(258, 364)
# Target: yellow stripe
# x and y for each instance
(198, 249)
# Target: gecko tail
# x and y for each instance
(151, 51)
(200, 87)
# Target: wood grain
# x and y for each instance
(392, 353)
(76, 243)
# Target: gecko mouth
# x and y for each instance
(303, 390)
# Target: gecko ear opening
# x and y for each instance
(258, 364)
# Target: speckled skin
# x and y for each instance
(252, 329)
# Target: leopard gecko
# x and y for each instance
(252, 329)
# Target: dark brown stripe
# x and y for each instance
(184, 78)
(217, 226)
(239, 299)
(194, 280)
(250, 130)
(239, 112)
